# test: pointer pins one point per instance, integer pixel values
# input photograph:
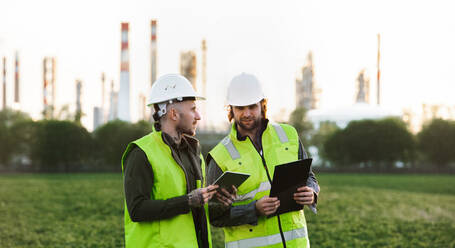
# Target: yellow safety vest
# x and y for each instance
(169, 181)
(280, 144)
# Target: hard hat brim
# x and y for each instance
(185, 98)
(247, 103)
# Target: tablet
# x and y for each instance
(229, 178)
(286, 179)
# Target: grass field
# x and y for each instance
(86, 210)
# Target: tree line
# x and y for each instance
(383, 144)
(66, 146)
(63, 145)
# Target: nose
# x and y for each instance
(246, 112)
(197, 116)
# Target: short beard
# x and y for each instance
(184, 130)
(187, 131)
(255, 125)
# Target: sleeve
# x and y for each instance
(138, 182)
(221, 215)
(312, 182)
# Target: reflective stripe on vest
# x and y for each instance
(268, 240)
(230, 148)
(281, 134)
(264, 186)
(227, 142)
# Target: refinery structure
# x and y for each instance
(115, 100)
(188, 66)
(49, 81)
(124, 92)
(361, 107)
(305, 88)
(363, 88)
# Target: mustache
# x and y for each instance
(247, 119)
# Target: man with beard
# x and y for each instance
(163, 174)
(255, 146)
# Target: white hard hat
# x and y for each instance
(171, 87)
(244, 90)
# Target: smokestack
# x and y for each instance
(48, 87)
(112, 103)
(204, 64)
(124, 92)
(153, 52)
(4, 82)
(204, 85)
(53, 83)
(142, 109)
(78, 101)
(188, 66)
(379, 71)
(103, 79)
(16, 79)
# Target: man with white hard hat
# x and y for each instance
(164, 171)
(255, 146)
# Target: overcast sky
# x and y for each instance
(270, 39)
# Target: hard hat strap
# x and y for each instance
(161, 109)
(162, 106)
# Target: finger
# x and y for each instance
(303, 194)
(223, 199)
(234, 191)
(270, 199)
(271, 207)
(271, 204)
(304, 198)
(301, 188)
(212, 187)
(225, 192)
(270, 210)
(305, 201)
(307, 189)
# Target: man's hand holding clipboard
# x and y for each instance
(289, 186)
(228, 183)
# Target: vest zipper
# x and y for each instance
(283, 240)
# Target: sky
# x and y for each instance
(269, 39)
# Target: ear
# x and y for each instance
(173, 114)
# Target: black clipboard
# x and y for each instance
(286, 179)
(229, 178)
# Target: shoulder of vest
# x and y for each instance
(289, 131)
(288, 128)
(144, 143)
(219, 153)
(139, 143)
(219, 147)
(147, 138)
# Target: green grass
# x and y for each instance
(86, 210)
(384, 211)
